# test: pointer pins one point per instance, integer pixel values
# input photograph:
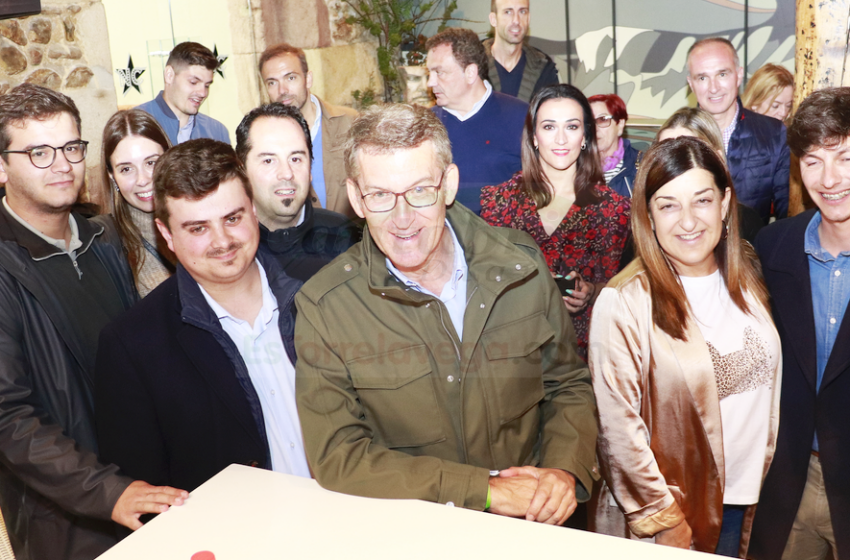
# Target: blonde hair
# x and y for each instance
(700, 123)
(766, 84)
(385, 129)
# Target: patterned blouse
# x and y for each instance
(589, 240)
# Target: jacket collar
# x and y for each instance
(534, 58)
(195, 310)
(742, 129)
(791, 293)
(802, 331)
(329, 111)
(494, 262)
(284, 239)
(163, 106)
(11, 230)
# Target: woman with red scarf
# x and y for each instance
(619, 158)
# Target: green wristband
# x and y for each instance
(487, 505)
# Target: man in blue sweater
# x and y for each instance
(188, 76)
(484, 126)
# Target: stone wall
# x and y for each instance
(342, 58)
(65, 48)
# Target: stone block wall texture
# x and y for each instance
(341, 57)
(65, 48)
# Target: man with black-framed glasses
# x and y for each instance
(62, 278)
(435, 358)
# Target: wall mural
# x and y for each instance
(653, 37)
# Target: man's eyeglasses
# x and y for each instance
(604, 121)
(416, 197)
(44, 156)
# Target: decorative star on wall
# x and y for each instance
(221, 58)
(130, 76)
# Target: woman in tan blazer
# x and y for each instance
(685, 363)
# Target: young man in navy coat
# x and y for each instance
(201, 373)
(804, 508)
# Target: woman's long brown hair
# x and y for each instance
(736, 260)
(588, 167)
(122, 124)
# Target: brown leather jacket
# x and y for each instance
(335, 124)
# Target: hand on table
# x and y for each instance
(140, 498)
(552, 500)
(511, 495)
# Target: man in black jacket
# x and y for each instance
(273, 143)
(804, 507)
(62, 278)
(201, 373)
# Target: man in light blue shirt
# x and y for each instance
(212, 380)
(804, 507)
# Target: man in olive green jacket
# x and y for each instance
(436, 360)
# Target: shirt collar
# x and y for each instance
(266, 312)
(475, 108)
(185, 132)
(729, 130)
(58, 243)
(811, 243)
(317, 123)
(459, 264)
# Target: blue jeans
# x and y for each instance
(730, 531)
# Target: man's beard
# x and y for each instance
(288, 202)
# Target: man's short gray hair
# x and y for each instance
(384, 129)
(714, 40)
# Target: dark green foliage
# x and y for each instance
(394, 23)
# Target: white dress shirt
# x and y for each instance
(273, 377)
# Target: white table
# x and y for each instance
(245, 513)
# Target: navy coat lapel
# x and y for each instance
(786, 269)
(839, 358)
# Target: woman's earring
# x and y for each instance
(114, 184)
(583, 144)
(725, 233)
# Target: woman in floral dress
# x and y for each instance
(560, 198)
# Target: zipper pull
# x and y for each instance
(77, 268)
